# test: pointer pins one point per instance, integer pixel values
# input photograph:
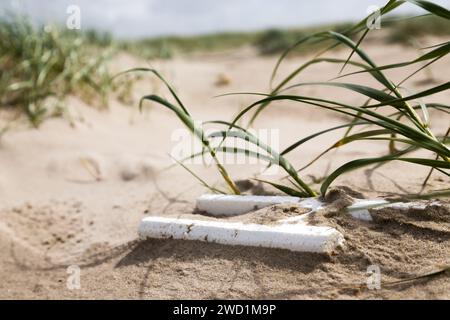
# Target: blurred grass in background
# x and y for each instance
(399, 30)
(40, 66)
(271, 41)
(403, 31)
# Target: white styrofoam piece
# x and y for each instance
(292, 233)
(295, 237)
(367, 204)
(360, 208)
(411, 205)
(230, 205)
(362, 214)
(313, 204)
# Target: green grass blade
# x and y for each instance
(277, 158)
(285, 189)
(196, 131)
(312, 136)
(439, 52)
(432, 8)
(172, 91)
(356, 164)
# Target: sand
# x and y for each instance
(73, 193)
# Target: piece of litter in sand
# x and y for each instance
(294, 237)
(360, 208)
(231, 205)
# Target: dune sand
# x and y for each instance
(74, 195)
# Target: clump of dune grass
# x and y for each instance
(386, 115)
(40, 66)
(276, 41)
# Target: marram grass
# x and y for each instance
(38, 64)
(387, 114)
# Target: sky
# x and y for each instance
(149, 18)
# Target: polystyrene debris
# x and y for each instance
(295, 237)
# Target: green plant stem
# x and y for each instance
(224, 173)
